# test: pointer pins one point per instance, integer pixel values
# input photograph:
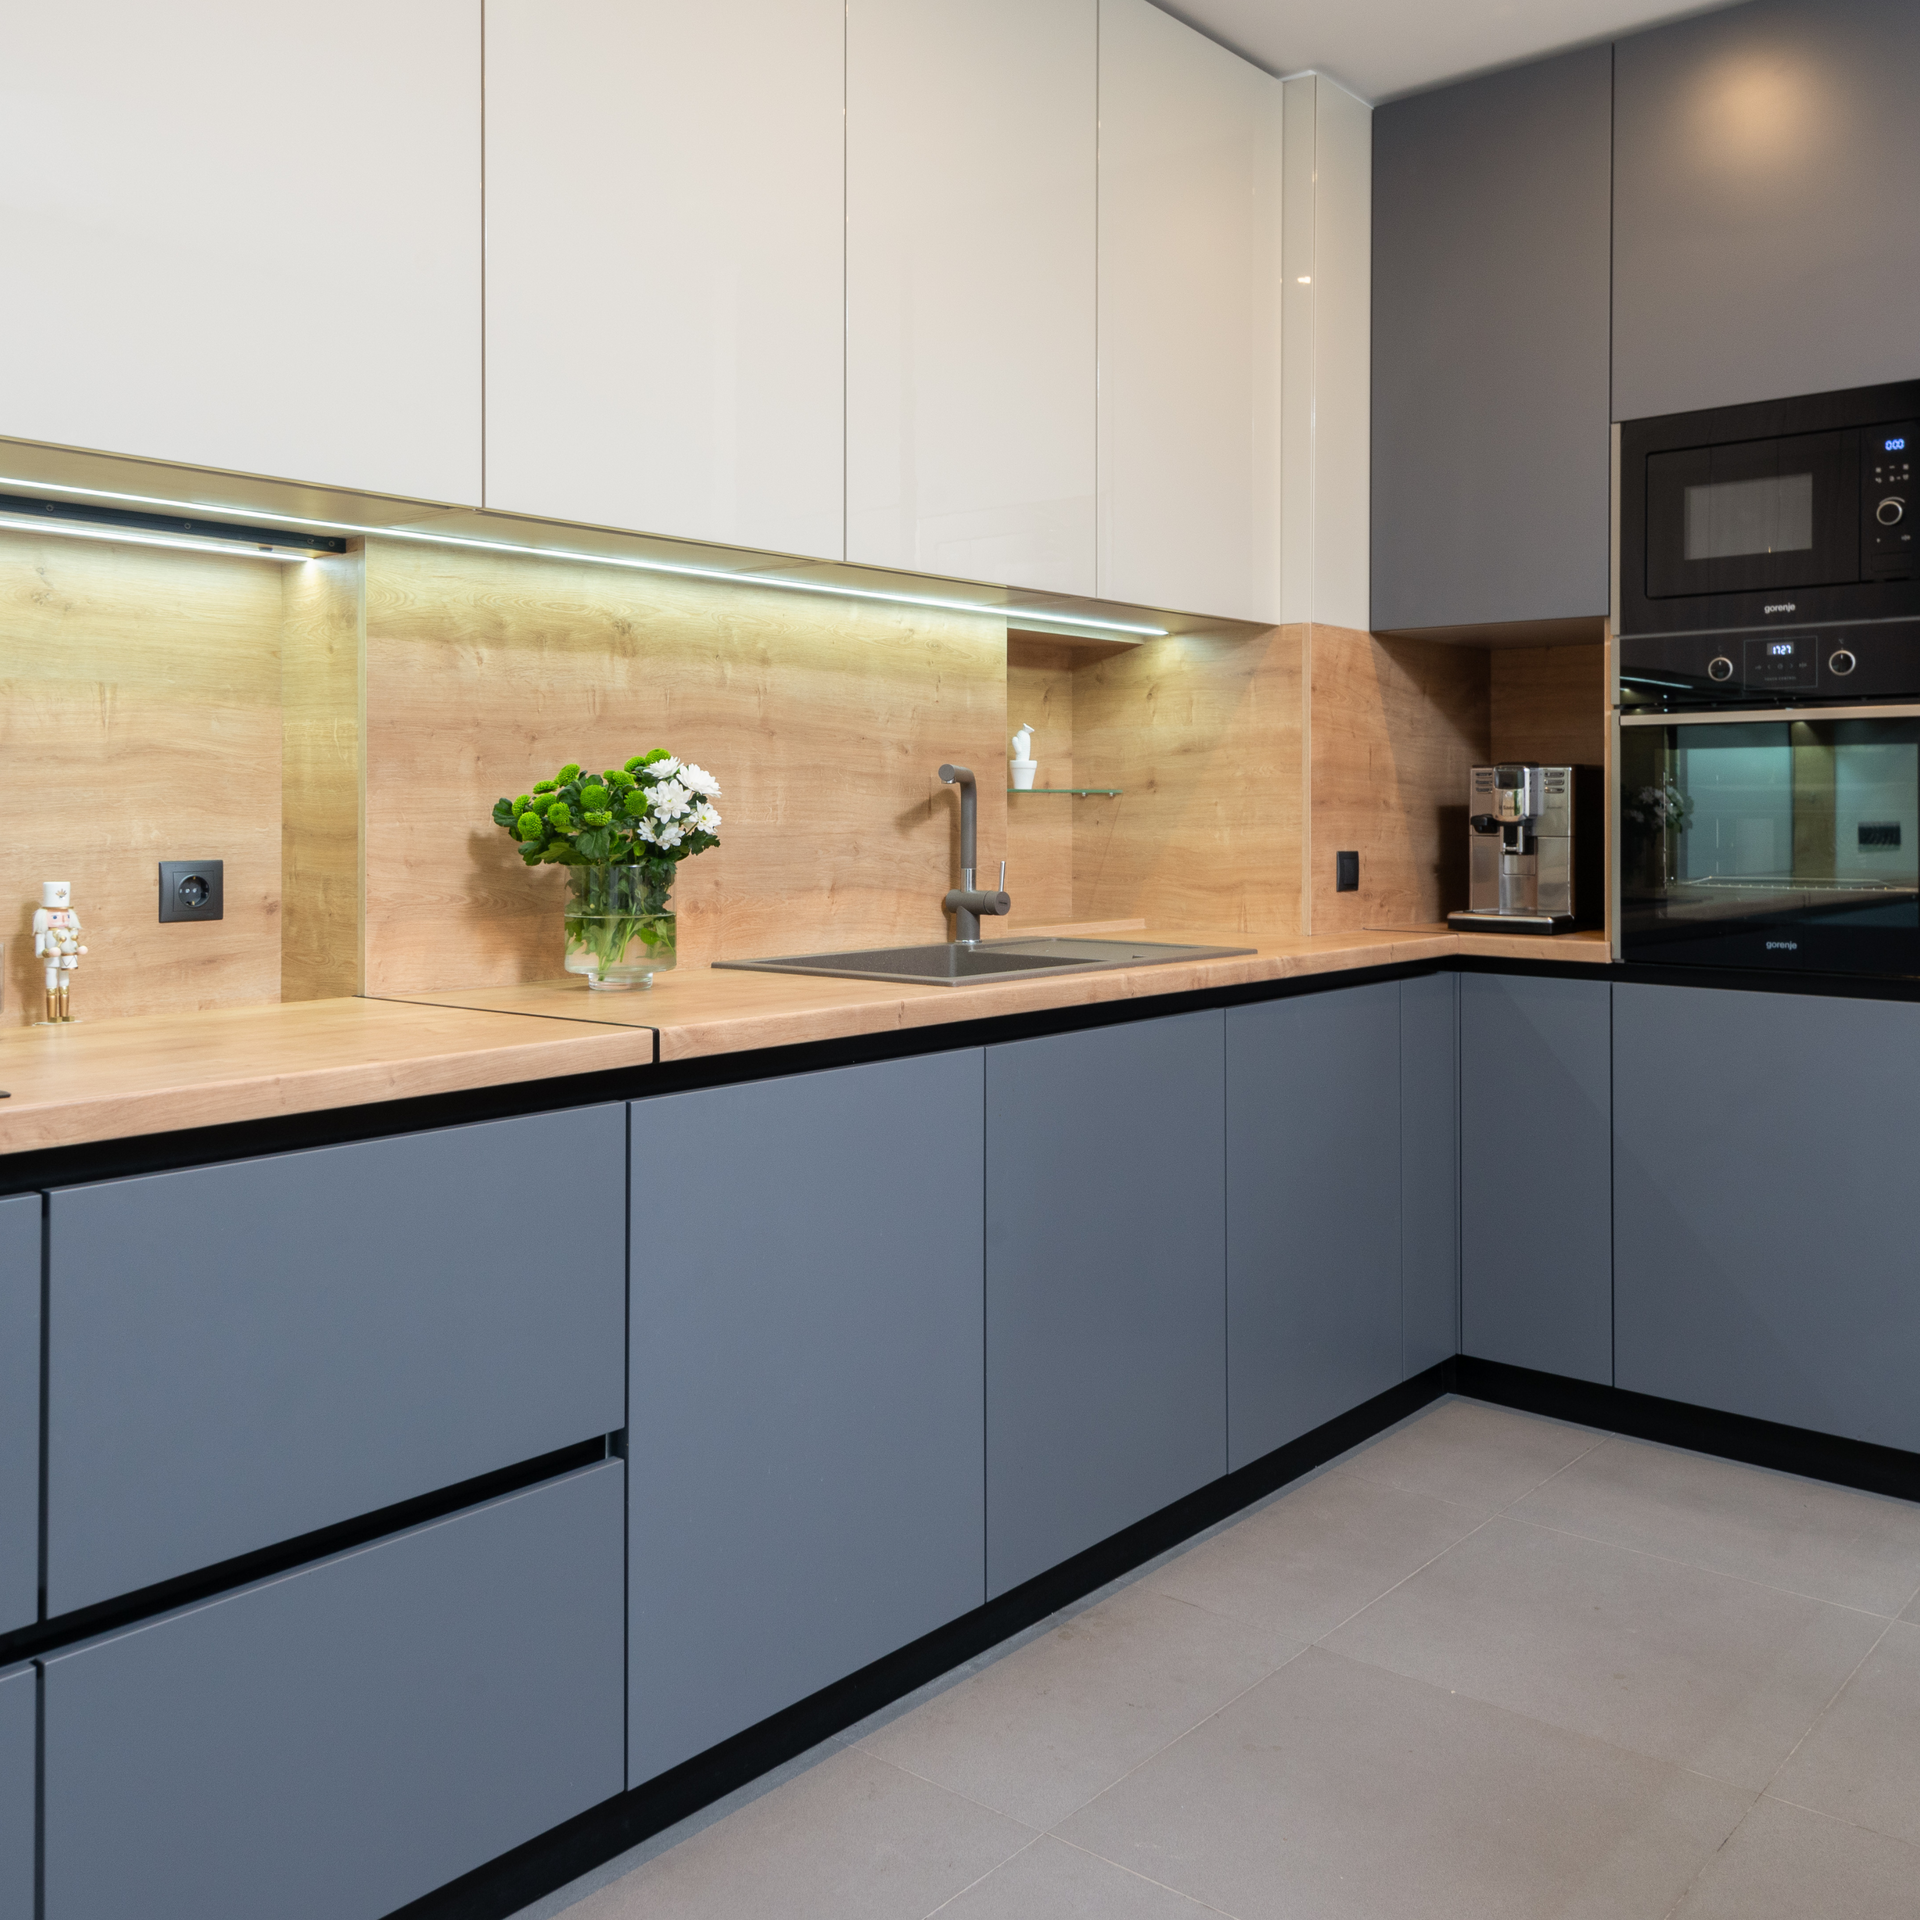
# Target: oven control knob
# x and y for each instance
(1842, 662)
(1720, 669)
(1891, 511)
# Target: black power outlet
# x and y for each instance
(191, 890)
(1346, 873)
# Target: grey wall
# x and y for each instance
(1766, 204)
(1490, 446)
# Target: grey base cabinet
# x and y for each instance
(1536, 1258)
(19, 1412)
(241, 1354)
(806, 1363)
(333, 1744)
(1314, 1319)
(1764, 1196)
(1430, 1169)
(1106, 1283)
(17, 1714)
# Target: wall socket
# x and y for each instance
(1346, 873)
(191, 890)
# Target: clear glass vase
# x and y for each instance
(620, 924)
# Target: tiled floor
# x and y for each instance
(1487, 1666)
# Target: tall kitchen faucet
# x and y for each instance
(966, 902)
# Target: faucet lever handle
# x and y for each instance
(1003, 876)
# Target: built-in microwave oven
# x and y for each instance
(1768, 553)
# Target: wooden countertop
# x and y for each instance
(158, 1073)
(704, 1010)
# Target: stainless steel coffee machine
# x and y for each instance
(1536, 852)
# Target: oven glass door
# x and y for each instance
(1756, 516)
(1783, 843)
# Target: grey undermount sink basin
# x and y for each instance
(948, 964)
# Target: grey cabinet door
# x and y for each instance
(1313, 1212)
(1106, 1283)
(243, 1353)
(1536, 1258)
(331, 1745)
(1763, 1191)
(1764, 237)
(1490, 351)
(17, 1767)
(1430, 1168)
(806, 1366)
(19, 1411)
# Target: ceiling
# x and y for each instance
(1382, 48)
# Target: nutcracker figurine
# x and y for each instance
(56, 940)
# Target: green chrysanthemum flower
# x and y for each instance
(529, 826)
(598, 819)
(523, 803)
(545, 786)
(571, 771)
(593, 797)
(560, 817)
(639, 760)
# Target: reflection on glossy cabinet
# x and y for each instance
(19, 1411)
(806, 1435)
(1536, 1233)
(665, 233)
(337, 1742)
(970, 288)
(1106, 1283)
(1189, 320)
(252, 238)
(17, 1768)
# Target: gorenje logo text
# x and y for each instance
(1783, 606)
(1783, 946)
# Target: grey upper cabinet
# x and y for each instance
(335, 1743)
(1536, 1265)
(1765, 241)
(19, 1412)
(1763, 1180)
(17, 1768)
(1490, 331)
(241, 1354)
(806, 1340)
(1313, 1211)
(1106, 1283)
(1430, 1169)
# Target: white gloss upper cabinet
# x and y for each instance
(246, 237)
(1190, 394)
(971, 288)
(665, 220)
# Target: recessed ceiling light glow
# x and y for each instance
(1017, 616)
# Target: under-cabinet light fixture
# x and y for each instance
(82, 520)
(329, 541)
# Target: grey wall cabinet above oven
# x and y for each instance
(1764, 1192)
(241, 1354)
(1490, 235)
(1765, 238)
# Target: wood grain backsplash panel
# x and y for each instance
(1203, 734)
(823, 719)
(1550, 704)
(140, 722)
(1039, 845)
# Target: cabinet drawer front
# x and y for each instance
(1106, 1283)
(242, 1354)
(19, 1412)
(16, 1794)
(333, 1744)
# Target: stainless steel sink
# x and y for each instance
(949, 964)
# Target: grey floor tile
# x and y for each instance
(1476, 1456)
(1689, 1666)
(1787, 1864)
(851, 1839)
(1052, 1881)
(1345, 1792)
(1913, 1612)
(1042, 1731)
(1852, 1548)
(1304, 1564)
(1862, 1761)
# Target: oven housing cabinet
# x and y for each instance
(1768, 553)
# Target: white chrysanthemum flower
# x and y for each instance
(643, 830)
(699, 780)
(670, 800)
(668, 836)
(705, 819)
(662, 769)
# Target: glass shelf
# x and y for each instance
(1115, 792)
